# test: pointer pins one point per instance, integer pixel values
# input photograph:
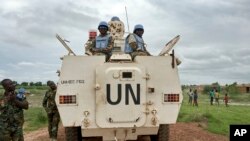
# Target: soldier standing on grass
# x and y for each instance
(226, 98)
(11, 113)
(50, 107)
(190, 96)
(211, 94)
(217, 96)
(195, 103)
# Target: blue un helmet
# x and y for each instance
(21, 90)
(138, 26)
(20, 95)
(115, 18)
(103, 24)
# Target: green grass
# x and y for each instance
(36, 97)
(243, 98)
(35, 118)
(217, 118)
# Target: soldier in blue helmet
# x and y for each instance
(21, 93)
(103, 44)
(134, 44)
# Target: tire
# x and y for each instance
(92, 139)
(73, 134)
(163, 133)
(144, 138)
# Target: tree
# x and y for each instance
(16, 82)
(232, 89)
(38, 84)
(32, 84)
(207, 88)
(216, 86)
(24, 84)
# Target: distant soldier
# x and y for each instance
(211, 94)
(226, 99)
(134, 44)
(50, 107)
(11, 113)
(103, 44)
(190, 95)
(195, 103)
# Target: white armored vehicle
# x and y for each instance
(121, 99)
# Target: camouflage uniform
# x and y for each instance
(50, 107)
(19, 116)
(88, 47)
(132, 41)
(106, 51)
(11, 121)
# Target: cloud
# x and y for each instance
(214, 44)
(2, 74)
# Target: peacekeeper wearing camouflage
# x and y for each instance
(103, 44)
(11, 113)
(134, 44)
(50, 107)
(92, 36)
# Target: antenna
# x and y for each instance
(127, 18)
(65, 45)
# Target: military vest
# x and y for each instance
(139, 43)
(102, 42)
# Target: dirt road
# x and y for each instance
(178, 132)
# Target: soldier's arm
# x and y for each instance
(132, 42)
(147, 52)
(109, 46)
(22, 104)
(45, 101)
(92, 48)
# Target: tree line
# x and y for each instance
(230, 89)
(30, 83)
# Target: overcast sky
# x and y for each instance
(214, 44)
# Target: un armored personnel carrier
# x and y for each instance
(121, 99)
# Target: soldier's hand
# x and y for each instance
(105, 50)
(95, 49)
(138, 49)
(149, 54)
(11, 96)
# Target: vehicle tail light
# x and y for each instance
(171, 97)
(67, 99)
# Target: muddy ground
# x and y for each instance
(178, 132)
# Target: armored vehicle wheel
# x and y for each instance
(163, 133)
(73, 134)
(144, 138)
(92, 139)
